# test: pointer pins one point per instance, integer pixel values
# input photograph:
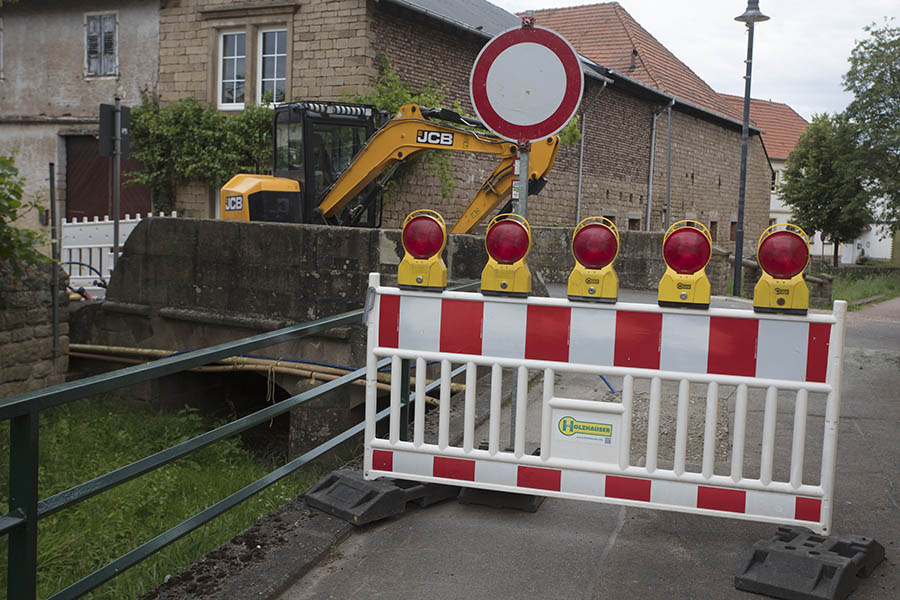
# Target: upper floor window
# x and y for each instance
(232, 69)
(272, 66)
(100, 45)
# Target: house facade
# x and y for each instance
(60, 61)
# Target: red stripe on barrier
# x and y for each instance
(808, 509)
(538, 478)
(627, 488)
(382, 460)
(389, 322)
(547, 333)
(637, 339)
(454, 468)
(461, 326)
(817, 352)
(732, 346)
(722, 499)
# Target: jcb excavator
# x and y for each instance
(331, 161)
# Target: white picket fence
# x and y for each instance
(87, 249)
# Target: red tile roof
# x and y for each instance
(608, 35)
(781, 125)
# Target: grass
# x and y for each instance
(87, 438)
(852, 288)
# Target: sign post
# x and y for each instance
(526, 85)
(114, 141)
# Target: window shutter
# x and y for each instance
(109, 44)
(93, 45)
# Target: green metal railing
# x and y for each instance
(23, 411)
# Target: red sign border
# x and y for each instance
(566, 109)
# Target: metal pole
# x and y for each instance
(520, 205)
(739, 236)
(117, 173)
(581, 153)
(669, 167)
(650, 183)
(54, 266)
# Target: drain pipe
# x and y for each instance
(581, 152)
(669, 166)
(652, 160)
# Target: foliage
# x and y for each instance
(84, 439)
(570, 134)
(185, 141)
(823, 181)
(875, 110)
(17, 244)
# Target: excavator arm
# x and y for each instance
(411, 132)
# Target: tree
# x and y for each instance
(17, 244)
(824, 183)
(875, 111)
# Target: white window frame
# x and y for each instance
(100, 74)
(259, 64)
(220, 57)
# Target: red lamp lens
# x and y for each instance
(686, 250)
(595, 246)
(783, 254)
(507, 242)
(423, 237)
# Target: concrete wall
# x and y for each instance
(44, 93)
(27, 360)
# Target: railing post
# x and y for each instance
(23, 501)
(404, 400)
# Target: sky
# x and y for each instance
(799, 55)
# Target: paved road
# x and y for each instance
(572, 549)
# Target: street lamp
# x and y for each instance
(751, 15)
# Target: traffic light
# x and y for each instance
(595, 245)
(686, 250)
(424, 237)
(783, 253)
(507, 241)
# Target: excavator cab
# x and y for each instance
(314, 142)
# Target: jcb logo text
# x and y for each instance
(234, 203)
(434, 137)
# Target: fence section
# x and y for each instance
(87, 248)
(785, 364)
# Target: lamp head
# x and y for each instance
(752, 14)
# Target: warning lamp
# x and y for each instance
(686, 249)
(424, 237)
(783, 253)
(508, 240)
(595, 244)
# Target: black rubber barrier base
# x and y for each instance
(495, 499)
(797, 564)
(346, 495)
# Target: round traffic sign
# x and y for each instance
(526, 83)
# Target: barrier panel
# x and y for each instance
(585, 444)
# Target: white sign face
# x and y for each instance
(592, 433)
(526, 96)
(526, 84)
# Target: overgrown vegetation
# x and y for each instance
(17, 244)
(84, 439)
(854, 287)
(185, 141)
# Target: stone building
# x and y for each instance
(228, 53)
(59, 60)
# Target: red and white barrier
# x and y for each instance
(585, 444)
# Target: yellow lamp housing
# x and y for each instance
(275, 199)
(783, 254)
(687, 247)
(507, 241)
(424, 237)
(595, 246)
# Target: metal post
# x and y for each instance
(745, 128)
(404, 399)
(520, 205)
(669, 167)
(117, 173)
(54, 266)
(23, 500)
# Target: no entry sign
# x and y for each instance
(526, 83)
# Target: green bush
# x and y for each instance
(17, 244)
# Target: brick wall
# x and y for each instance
(26, 332)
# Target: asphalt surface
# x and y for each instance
(571, 549)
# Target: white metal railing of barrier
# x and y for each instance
(586, 451)
(87, 247)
